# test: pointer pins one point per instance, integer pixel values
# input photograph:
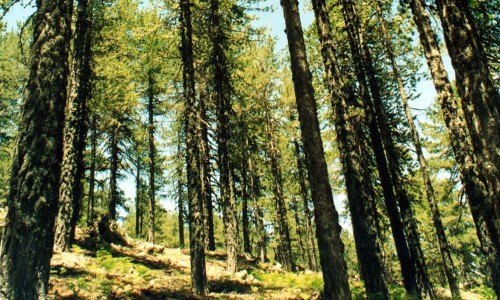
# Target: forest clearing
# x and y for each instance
(249, 149)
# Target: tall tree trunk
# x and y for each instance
(258, 213)
(75, 132)
(283, 232)
(299, 232)
(460, 141)
(481, 103)
(328, 230)
(33, 196)
(180, 193)
(193, 156)
(393, 158)
(138, 190)
(222, 89)
(355, 167)
(207, 184)
(113, 179)
(429, 189)
(408, 267)
(244, 206)
(93, 162)
(311, 249)
(152, 159)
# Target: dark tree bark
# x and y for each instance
(429, 189)
(222, 89)
(93, 163)
(193, 156)
(328, 230)
(247, 248)
(311, 248)
(75, 132)
(138, 191)
(355, 168)
(113, 179)
(34, 183)
(180, 194)
(152, 158)
(460, 142)
(481, 103)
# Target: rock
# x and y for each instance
(252, 279)
(241, 274)
(278, 267)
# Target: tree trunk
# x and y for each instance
(258, 213)
(481, 103)
(222, 88)
(113, 180)
(460, 141)
(93, 162)
(328, 230)
(283, 232)
(429, 189)
(311, 249)
(75, 132)
(303, 252)
(138, 201)
(244, 206)
(33, 196)
(407, 266)
(355, 167)
(180, 194)
(152, 159)
(393, 158)
(207, 184)
(193, 157)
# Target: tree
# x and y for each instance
(481, 103)
(222, 89)
(330, 246)
(459, 137)
(429, 189)
(356, 171)
(75, 132)
(285, 255)
(33, 195)
(193, 156)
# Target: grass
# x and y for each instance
(115, 272)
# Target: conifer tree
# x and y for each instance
(34, 184)
(331, 248)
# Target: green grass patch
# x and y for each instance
(294, 281)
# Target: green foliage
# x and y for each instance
(308, 282)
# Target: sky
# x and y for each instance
(273, 20)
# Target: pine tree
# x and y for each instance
(33, 194)
(193, 157)
(358, 183)
(481, 103)
(331, 248)
(75, 132)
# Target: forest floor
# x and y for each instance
(96, 270)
